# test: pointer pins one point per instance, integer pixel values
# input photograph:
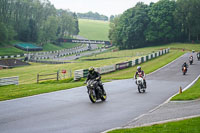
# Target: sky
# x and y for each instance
(105, 7)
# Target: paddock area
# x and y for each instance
(10, 63)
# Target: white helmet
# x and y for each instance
(139, 67)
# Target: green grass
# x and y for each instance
(183, 126)
(186, 46)
(148, 67)
(10, 50)
(28, 74)
(31, 88)
(190, 94)
(94, 29)
(52, 47)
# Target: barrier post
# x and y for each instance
(38, 78)
(57, 75)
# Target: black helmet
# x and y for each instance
(91, 69)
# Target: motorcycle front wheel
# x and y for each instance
(93, 98)
(139, 88)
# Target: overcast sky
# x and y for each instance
(105, 7)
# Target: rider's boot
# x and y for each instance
(102, 88)
(145, 84)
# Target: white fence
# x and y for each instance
(9, 81)
(106, 69)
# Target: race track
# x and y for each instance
(70, 111)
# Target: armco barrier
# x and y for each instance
(106, 69)
(123, 65)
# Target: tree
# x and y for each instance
(50, 29)
(128, 31)
(187, 16)
(76, 31)
(3, 33)
(27, 20)
(161, 28)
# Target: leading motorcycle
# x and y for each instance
(140, 83)
(94, 91)
(191, 60)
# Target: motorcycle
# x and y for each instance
(198, 56)
(184, 70)
(191, 61)
(94, 91)
(140, 83)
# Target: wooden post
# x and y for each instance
(57, 75)
(37, 78)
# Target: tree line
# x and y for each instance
(91, 15)
(157, 23)
(35, 21)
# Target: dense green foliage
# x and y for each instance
(157, 23)
(183, 126)
(91, 15)
(35, 21)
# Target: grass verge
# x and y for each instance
(52, 47)
(183, 126)
(148, 67)
(17, 91)
(190, 94)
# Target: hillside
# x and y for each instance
(94, 29)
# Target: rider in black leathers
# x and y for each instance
(95, 75)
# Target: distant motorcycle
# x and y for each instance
(198, 56)
(140, 83)
(191, 60)
(184, 70)
(94, 91)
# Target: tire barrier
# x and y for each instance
(78, 74)
(9, 81)
(49, 62)
(41, 55)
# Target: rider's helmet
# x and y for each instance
(91, 70)
(139, 68)
(184, 62)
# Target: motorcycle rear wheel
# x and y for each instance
(103, 98)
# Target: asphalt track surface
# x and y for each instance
(70, 111)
